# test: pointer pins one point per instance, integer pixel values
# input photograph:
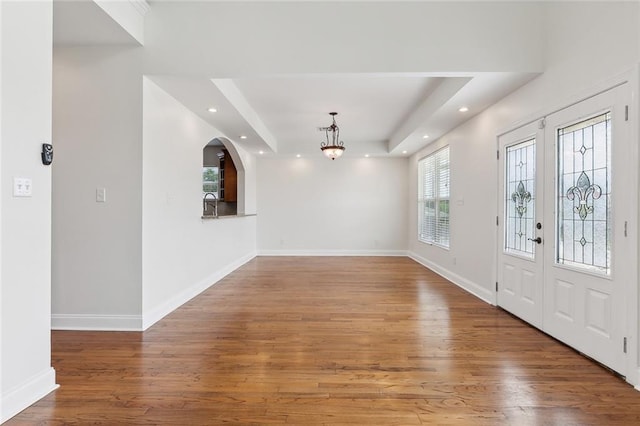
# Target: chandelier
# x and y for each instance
(335, 147)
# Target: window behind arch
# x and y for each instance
(210, 180)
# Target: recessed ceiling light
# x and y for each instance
(404, 152)
(298, 155)
(366, 155)
(463, 109)
(212, 110)
(243, 137)
(425, 137)
(261, 152)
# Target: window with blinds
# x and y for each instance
(433, 198)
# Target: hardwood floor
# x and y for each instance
(308, 341)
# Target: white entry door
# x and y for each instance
(565, 262)
(520, 257)
(591, 197)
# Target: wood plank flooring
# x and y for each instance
(310, 341)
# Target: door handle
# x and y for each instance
(537, 240)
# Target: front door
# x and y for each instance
(588, 202)
(564, 264)
(520, 259)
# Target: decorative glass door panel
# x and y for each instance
(520, 260)
(584, 194)
(520, 202)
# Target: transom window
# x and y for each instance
(433, 198)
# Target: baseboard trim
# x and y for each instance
(141, 323)
(96, 322)
(465, 284)
(146, 320)
(156, 314)
(632, 378)
(395, 253)
(32, 390)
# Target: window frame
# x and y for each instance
(436, 234)
(216, 182)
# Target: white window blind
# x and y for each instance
(433, 198)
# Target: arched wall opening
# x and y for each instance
(223, 179)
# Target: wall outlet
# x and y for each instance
(22, 187)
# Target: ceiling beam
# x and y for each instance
(230, 91)
(431, 104)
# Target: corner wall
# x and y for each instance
(182, 253)
(124, 263)
(97, 246)
(25, 222)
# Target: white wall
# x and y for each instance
(246, 181)
(97, 129)
(25, 248)
(182, 253)
(250, 183)
(365, 36)
(472, 209)
(318, 206)
(586, 45)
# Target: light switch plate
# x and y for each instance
(22, 187)
(101, 195)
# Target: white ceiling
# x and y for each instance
(372, 109)
(83, 22)
(293, 108)
(382, 114)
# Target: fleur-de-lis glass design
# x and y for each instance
(583, 179)
(521, 197)
(582, 190)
